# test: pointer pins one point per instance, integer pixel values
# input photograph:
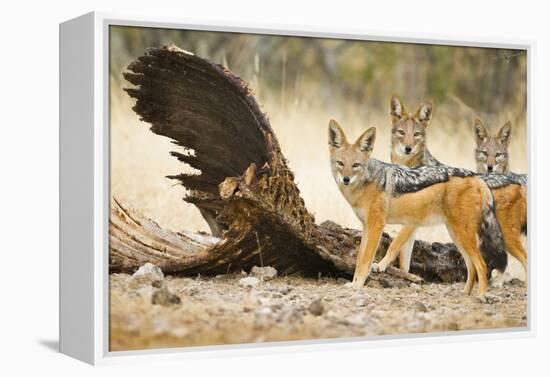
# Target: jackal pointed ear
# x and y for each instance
(366, 140)
(336, 136)
(396, 109)
(424, 113)
(480, 131)
(505, 133)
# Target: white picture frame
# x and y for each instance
(84, 190)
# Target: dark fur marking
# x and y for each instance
(495, 180)
(491, 241)
(406, 180)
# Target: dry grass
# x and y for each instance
(140, 160)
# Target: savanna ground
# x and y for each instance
(218, 310)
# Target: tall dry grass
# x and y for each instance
(140, 159)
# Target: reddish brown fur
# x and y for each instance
(457, 202)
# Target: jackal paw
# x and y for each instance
(482, 299)
(353, 285)
(378, 267)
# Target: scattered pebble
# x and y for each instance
(453, 326)
(249, 282)
(149, 272)
(265, 310)
(515, 282)
(316, 307)
(391, 283)
(264, 273)
(165, 298)
(420, 307)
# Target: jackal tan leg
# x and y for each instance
(396, 247)
(471, 279)
(515, 247)
(406, 253)
(472, 256)
(369, 244)
(481, 269)
(511, 211)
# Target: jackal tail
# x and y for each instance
(491, 240)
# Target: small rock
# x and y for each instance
(420, 307)
(264, 311)
(289, 314)
(489, 299)
(179, 331)
(285, 290)
(515, 282)
(488, 312)
(192, 291)
(264, 273)
(395, 302)
(149, 272)
(157, 284)
(355, 320)
(371, 283)
(249, 282)
(453, 326)
(316, 307)
(165, 298)
(391, 283)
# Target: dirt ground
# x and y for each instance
(158, 312)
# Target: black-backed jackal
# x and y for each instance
(509, 191)
(492, 156)
(382, 193)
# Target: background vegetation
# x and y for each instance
(291, 70)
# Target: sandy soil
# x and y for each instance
(149, 312)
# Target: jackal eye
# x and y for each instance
(401, 132)
(339, 163)
(355, 165)
(499, 154)
(417, 134)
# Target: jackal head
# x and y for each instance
(408, 136)
(349, 161)
(491, 152)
